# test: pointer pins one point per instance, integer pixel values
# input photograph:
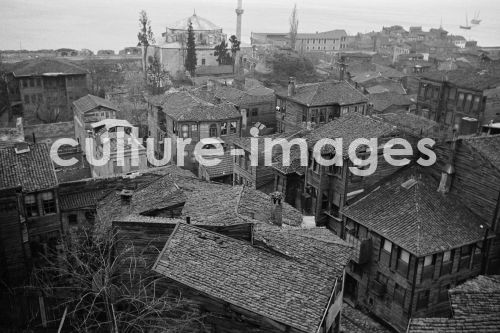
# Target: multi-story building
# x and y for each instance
(413, 242)
(455, 98)
(327, 41)
(46, 89)
(181, 115)
(29, 205)
(255, 104)
(88, 110)
(307, 106)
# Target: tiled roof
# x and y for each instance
(46, 66)
(472, 79)
(203, 202)
(419, 218)
(70, 201)
(409, 122)
(386, 99)
(224, 168)
(32, 170)
(182, 106)
(295, 163)
(475, 306)
(247, 97)
(90, 102)
(350, 127)
(326, 93)
(488, 147)
(294, 292)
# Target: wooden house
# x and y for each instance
(180, 115)
(30, 206)
(251, 296)
(310, 105)
(455, 98)
(412, 243)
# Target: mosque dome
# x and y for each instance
(199, 24)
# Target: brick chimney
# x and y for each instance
(291, 86)
(277, 208)
(125, 198)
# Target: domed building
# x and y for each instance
(173, 46)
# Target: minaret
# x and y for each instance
(239, 13)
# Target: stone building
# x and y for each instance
(172, 49)
(44, 89)
(327, 41)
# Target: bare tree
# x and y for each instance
(106, 287)
(294, 27)
(157, 75)
(145, 37)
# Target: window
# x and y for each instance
(387, 246)
(443, 293)
(31, 205)
(422, 299)
(304, 115)
(475, 105)
(324, 200)
(72, 220)
(185, 131)
(322, 115)
(25, 83)
(460, 103)
(223, 129)
(255, 112)
(314, 115)
(465, 254)
(233, 127)
(203, 62)
(32, 82)
(48, 203)
(447, 263)
(403, 262)
(399, 295)
(194, 128)
(330, 114)
(38, 82)
(212, 132)
(26, 99)
(468, 102)
(428, 271)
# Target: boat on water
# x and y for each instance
(476, 20)
(466, 26)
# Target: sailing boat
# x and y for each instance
(466, 26)
(476, 19)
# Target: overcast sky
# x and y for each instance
(100, 24)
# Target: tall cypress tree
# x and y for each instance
(191, 60)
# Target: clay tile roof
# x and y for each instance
(326, 34)
(475, 308)
(89, 199)
(418, 218)
(46, 66)
(246, 97)
(32, 170)
(384, 100)
(472, 78)
(409, 122)
(90, 102)
(326, 93)
(182, 106)
(295, 292)
(488, 147)
(350, 127)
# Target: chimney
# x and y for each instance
(188, 219)
(291, 86)
(449, 169)
(277, 208)
(125, 197)
(342, 67)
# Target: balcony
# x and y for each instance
(378, 288)
(362, 249)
